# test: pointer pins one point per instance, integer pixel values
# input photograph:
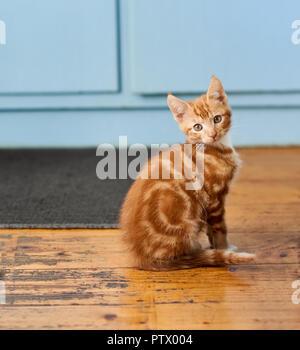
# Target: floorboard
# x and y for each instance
(81, 279)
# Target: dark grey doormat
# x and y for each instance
(57, 189)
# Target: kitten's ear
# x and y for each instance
(177, 106)
(215, 92)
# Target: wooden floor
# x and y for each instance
(80, 278)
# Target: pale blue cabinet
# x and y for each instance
(59, 46)
(177, 44)
(82, 72)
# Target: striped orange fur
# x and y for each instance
(161, 219)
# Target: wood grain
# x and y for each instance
(81, 279)
(266, 195)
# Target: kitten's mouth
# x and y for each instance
(212, 141)
(214, 138)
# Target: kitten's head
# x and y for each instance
(205, 119)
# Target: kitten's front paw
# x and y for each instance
(232, 247)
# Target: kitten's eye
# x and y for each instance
(197, 127)
(217, 119)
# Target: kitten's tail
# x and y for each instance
(210, 257)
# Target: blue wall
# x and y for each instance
(83, 72)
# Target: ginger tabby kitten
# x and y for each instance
(161, 219)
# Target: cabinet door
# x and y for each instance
(55, 46)
(178, 44)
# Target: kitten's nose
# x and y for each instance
(213, 135)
